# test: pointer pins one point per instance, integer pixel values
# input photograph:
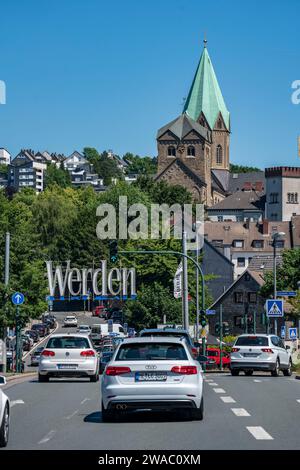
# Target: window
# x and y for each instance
(220, 218)
(238, 243)
(219, 157)
(151, 351)
(252, 341)
(258, 243)
(279, 243)
(275, 340)
(219, 124)
(274, 198)
(292, 198)
(171, 151)
(252, 297)
(238, 297)
(241, 262)
(191, 151)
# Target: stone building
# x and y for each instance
(282, 192)
(193, 149)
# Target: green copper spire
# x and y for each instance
(205, 94)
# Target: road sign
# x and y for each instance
(282, 333)
(210, 312)
(286, 293)
(293, 333)
(274, 308)
(178, 282)
(17, 298)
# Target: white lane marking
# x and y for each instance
(72, 415)
(259, 433)
(228, 400)
(257, 380)
(209, 380)
(240, 412)
(219, 390)
(47, 437)
(44, 339)
(84, 400)
(213, 384)
(16, 402)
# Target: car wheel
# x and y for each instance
(248, 372)
(235, 372)
(198, 414)
(107, 415)
(43, 378)
(288, 372)
(4, 430)
(94, 378)
(275, 372)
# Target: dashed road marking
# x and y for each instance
(47, 437)
(228, 400)
(240, 412)
(213, 384)
(16, 402)
(257, 380)
(72, 415)
(259, 433)
(219, 390)
(84, 400)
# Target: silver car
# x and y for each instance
(4, 415)
(69, 355)
(152, 373)
(260, 352)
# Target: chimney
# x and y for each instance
(265, 227)
(247, 186)
(259, 186)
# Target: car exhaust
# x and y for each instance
(120, 406)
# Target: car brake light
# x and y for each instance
(267, 350)
(87, 353)
(235, 349)
(184, 370)
(48, 353)
(117, 370)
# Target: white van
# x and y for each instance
(116, 328)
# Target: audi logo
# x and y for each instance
(151, 367)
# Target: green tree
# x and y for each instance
(57, 176)
(140, 165)
(242, 168)
(104, 166)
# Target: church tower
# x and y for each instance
(205, 104)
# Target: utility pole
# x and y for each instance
(221, 336)
(197, 282)
(6, 282)
(185, 285)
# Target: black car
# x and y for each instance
(104, 360)
(33, 334)
(50, 322)
(41, 328)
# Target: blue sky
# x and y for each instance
(109, 74)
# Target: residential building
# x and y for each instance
(4, 157)
(76, 160)
(238, 207)
(243, 181)
(26, 171)
(82, 177)
(282, 192)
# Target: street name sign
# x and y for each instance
(274, 308)
(287, 293)
(293, 333)
(210, 312)
(17, 298)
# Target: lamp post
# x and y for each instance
(298, 285)
(276, 236)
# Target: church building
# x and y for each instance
(193, 149)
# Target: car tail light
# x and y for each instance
(184, 370)
(48, 353)
(117, 370)
(87, 353)
(267, 350)
(235, 349)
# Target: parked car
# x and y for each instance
(215, 355)
(173, 332)
(99, 311)
(28, 337)
(156, 373)
(84, 329)
(35, 356)
(4, 415)
(260, 352)
(33, 334)
(104, 360)
(69, 355)
(47, 328)
(70, 321)
(50, 322)
(96, 333)
(26, 346)
(40, 328)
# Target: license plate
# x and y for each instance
(150, 377)
(250, 355)
(67, 366)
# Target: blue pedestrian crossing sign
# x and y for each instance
(282, 334)
(17, 298)
(274, 308)
(293, 333)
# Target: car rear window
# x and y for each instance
(68, 342)
(252, 341)
(151, 352)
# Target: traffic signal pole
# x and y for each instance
(221, 337)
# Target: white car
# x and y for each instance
(4, 415)
(69, 355)
(84, 329)
(260, 352)
(153, 374)
(70, 321)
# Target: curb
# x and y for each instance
(19, 376)
(40, 342)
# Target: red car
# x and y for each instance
(214, 353)
(99, 311)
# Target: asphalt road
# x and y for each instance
(258, 412)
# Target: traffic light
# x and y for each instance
(217, 329)
(203, 319)
(226, 330)
(113, 251)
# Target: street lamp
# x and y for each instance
(276, 236)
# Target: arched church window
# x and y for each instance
(171, 151)
(219, 124)
(191, 151)
(219, 155)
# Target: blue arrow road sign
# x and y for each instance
(287, 293)
(17, 298)
(293, 333)
(210, 312)
(274, 308)
(282, 334)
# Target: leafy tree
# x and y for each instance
(140, 165)
(57, 176)
(161, 192)
(104, 166)
(242, 169)
(3, 170)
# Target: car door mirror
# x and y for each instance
(2, 380)
(287, 347)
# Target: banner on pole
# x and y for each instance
(178, 282)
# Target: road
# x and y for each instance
(258, 412)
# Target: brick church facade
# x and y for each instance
(193, 149)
